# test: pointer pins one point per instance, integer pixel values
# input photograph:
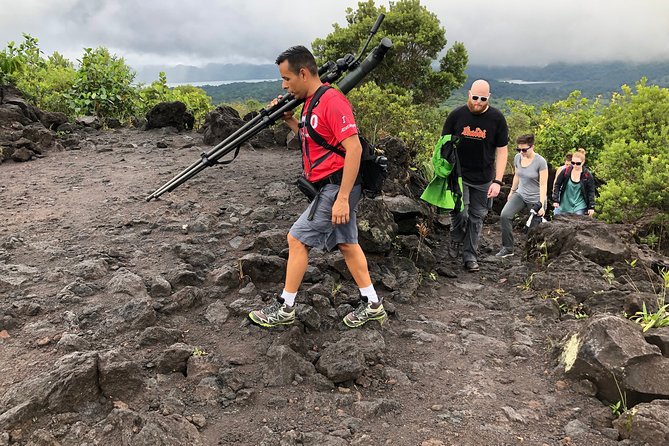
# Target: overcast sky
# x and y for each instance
(508, 32)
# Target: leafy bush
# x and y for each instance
(381, 112)
(103, 86)
(635, 160)
(47, 84)
(15, 59)
(566, 125)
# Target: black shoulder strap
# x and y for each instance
(312, 132)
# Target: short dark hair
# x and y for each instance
(298, 57)
(567, 157)
(528, 139)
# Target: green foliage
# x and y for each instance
(381, 112)
(648, 319)
(103, 86)
(566, 125)
(48, 82)
(635, 161)
(417, 38)
(17, 60)
(607, 274)
(253, 105)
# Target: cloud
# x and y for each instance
(513, 32)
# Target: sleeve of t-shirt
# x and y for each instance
(340, 117)
(516, 161)
(449, 124)
(503, 133)
(543, 165)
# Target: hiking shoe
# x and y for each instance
(472, 266)
(276, 314)
(504, 252)
(454, 249)
(366, 312)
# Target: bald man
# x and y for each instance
(482, 153)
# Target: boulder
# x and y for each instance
(170, 114)
(611, 352)
(646, 423)
(220, 123)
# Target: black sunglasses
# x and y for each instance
(481, 98)
(518, 149)
(576, 163)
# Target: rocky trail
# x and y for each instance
(122, 322)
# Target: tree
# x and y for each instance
(417, 38)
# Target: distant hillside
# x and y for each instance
(209, 72)
(546, 84)
(556, 81)
(243, 91)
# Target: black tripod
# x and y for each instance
(328, 73)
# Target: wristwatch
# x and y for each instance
(498, 182)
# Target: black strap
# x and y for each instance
(208, 162)
(313, 133)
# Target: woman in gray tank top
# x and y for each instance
(529, 189)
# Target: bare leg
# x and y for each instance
(298, 260)
(356, 262)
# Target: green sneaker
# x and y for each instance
(366, 312)
(276, 314)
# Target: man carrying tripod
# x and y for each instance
(330, 219)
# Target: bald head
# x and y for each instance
(479, 97)
(480, 88)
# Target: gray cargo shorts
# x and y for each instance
(320, 233)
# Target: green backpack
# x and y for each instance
(445, 189)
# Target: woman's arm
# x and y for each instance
(543, 189)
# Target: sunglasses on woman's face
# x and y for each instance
(523, 149)
(576, 163)
(481, 98)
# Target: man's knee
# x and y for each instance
(477, 215)
(348, 249)
(294, 243)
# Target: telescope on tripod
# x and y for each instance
(330, 72)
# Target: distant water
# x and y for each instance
(215, 83)
(522, 82)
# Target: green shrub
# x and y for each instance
(566, 125)
(16, 60)
(47, 84)
(382, 112)
(103, 86)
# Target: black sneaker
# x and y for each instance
(472, 266)
(454, 249)
(504, 253)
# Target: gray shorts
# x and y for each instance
(320, 232)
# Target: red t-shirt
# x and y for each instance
(333, 119)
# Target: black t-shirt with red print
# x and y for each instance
(480, 135)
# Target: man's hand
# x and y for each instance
(493, 190)
(541, 212)
(340, 211)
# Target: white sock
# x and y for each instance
(370, 293)
(288, 298)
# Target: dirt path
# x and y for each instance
(469, 361)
